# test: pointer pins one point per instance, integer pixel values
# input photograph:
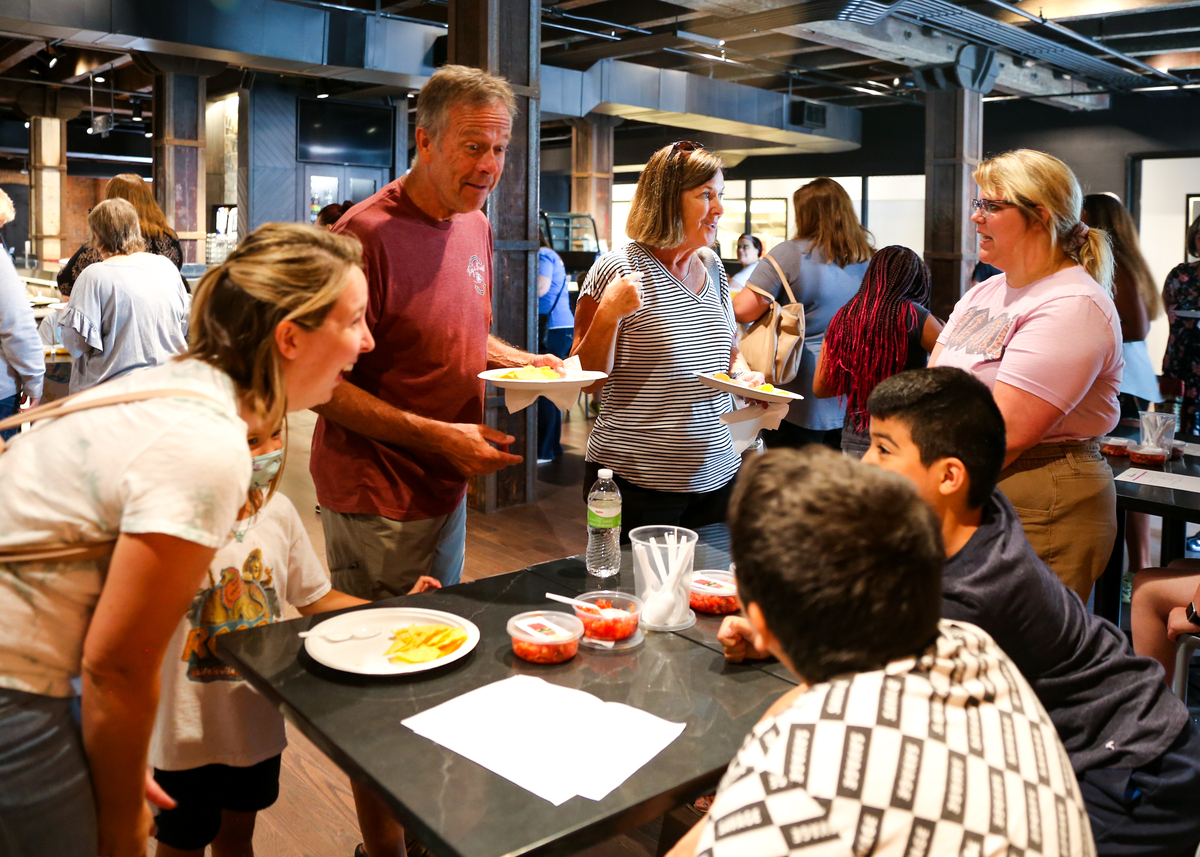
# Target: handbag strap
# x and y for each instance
(782, 278)
(70, 405)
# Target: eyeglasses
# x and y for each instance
(988, 207)
(685, 146)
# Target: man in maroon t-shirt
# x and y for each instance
(393, 450)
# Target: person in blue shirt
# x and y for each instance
(556, 327)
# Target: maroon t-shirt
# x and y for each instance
(430, 310)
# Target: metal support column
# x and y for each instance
(504, 37)
(953, 148)
(592, 169)
(179, 144)
(47, 180)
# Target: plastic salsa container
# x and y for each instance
(545, 636)
(1116, 446)
(1148, 455)
(597, 627)
(714, 592)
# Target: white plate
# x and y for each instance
(584, 378)
(366, 657)
(778, 395)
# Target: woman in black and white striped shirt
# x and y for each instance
(651, 315)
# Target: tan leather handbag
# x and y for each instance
(79, 551)
(773, 344)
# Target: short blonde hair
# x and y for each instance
(656, 211)
(459, 86)
(1028, 179)
(280, 272)
(7, 211)
(115, 229)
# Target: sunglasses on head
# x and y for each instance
(685, 146)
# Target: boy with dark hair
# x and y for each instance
(910, 736)
(1134, 749)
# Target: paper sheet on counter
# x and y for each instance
(744, 424)
(524, 728)
(1159, 479)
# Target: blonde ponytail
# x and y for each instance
(1096, 257)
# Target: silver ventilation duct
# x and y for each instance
(945, 16)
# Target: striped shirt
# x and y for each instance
(659, 427)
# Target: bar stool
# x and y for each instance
(1185, 644)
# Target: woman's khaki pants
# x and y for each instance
(1064, 495)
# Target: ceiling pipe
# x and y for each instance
(1099, 46)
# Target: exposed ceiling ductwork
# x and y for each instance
(754, 121)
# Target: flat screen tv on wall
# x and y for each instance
(334, 132)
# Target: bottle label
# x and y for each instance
(604, 519)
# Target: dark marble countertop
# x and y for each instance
(1164, 502)
(459, 809)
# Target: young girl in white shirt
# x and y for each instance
(217, 744)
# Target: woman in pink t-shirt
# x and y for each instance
(1044, 335)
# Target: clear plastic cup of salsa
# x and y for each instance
(545, 636)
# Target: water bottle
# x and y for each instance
(604, 526)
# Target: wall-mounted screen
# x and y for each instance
(334, 132)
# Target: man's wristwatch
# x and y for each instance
(1190, 613)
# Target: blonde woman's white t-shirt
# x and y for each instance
(207, 714)
(177, 466)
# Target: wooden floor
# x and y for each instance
(314, 816)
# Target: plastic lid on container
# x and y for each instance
(1117, 441)
(604, 473)
(546, 627)
(718, 583)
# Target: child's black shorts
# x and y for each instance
(201, 794)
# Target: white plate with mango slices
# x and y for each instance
(765, 393)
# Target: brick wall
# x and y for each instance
(79, 195)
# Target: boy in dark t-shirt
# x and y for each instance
(1132, 745)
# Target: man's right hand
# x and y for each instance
(737, 639)
(624, 297)
(469, 448)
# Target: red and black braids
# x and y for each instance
(867, 339)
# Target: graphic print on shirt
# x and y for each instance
(978, 333)
(240, 599)
(475, 271)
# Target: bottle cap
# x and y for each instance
(605, 473)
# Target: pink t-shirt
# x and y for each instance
(1058, 338)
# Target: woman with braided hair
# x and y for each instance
(1045, 336)
(886, 328)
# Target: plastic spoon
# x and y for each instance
(342, 636)
(606, 612)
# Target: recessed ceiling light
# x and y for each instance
(26, 124)
(99, 78)
(148, 133)
(322, 95)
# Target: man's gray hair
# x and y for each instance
(458, 86)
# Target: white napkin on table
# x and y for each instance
(527, 730)
(744, 424)
(561, 393)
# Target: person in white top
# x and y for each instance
(155, 484)
(217, 743)
(749, 251)
(126, 311)
(1044, 335)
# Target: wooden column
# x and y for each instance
(47, 177)
(592, 169)
(504, 37)
(179, 168)
(953, 148)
